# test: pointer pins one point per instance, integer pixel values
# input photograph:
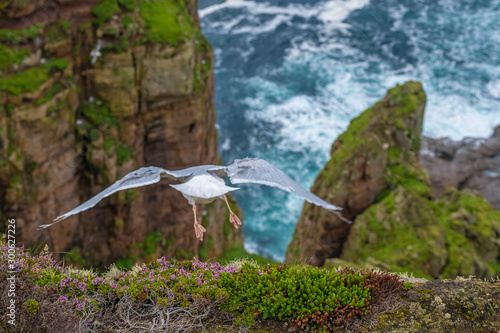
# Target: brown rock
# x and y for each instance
(467, 164)
(91, 123)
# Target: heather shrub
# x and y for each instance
(310, 298)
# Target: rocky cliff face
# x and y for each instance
(398, 224)
(468, 164)
(90, 91)
(364, 163)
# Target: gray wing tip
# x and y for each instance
(339, 215)
(45, 226)
(56, 220)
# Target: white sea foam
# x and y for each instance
(494, 88)
(226, 145)
(337, 11)
(332, 12)
(298, 104)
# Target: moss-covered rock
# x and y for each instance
(444, 306)
(472, 234)
(376, 154)
(399, 225)
(401, 231)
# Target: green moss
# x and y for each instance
(293, 247)
(123, 154)
(131, 195)
(411, 177)
(94, 134)
(402, 232)
(85, 26)
(10, 56)
(344, 147)
(201, 69)
(21, 36)
(75, 256)
(119, 47)
(54, 90)
(167, 21)
(109, 146)
(205, 246)
(409, 104)
(201, 72)
(127, 20)
(472, 226)
(118, 223)
(151, 241)
(58, 31)
(125, 263)
(105, 10)
(128, 4)
(183, 254)
(15, 186)
(31, 79)
(30, 167)
(99, 114)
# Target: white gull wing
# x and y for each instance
(255, 170)
(140, 177)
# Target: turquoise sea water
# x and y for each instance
(290, 75)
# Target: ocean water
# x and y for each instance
(290, 75)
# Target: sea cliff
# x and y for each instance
(90, 91)
(399, 224)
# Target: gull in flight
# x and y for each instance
(205, 183)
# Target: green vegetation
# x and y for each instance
(9, 56)
(201, 72)
(105, 10)
(314, 298)
(127, 20)
(99, 114)
(54, 90)
(151, 242)
(202, 69)
(167, 21)
(119, 47)
(32, 306)
(108, 145)
(58, 31)
(472, 226)
(308, 297)
(408, 285)
(407, 231)
(21, 36)
(123, 154)
(31, 79)
(128, 4)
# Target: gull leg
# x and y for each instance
(232, 216)
(198, 228)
